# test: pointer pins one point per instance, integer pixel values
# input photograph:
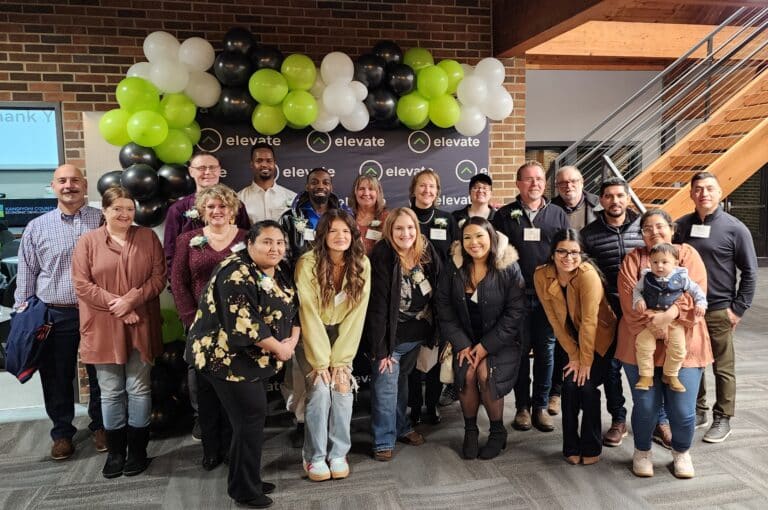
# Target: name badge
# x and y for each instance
(425, 287)
(374, 235)
(700, 231)
(309, 234)
(474, 297)
(340, 298)
(438, 234)
(532, 234)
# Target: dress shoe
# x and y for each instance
(267, 487)
(257, 502)
(588, 461)
(542, 420)
(412, 438)
(100, 440)
(573, 459)
(522, 420)
(662, 434)
(553, 406)
(383, 455)
(62, 448)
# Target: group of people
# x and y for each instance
(266, 278)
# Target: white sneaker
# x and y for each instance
(683, 464)
(317, 471)
(339, 468)
(641, 463)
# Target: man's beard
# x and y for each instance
(320, 199)
(265, 176)
(614, 215)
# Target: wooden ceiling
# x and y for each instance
(605, 34)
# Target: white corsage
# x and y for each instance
(441, 222)
(375, 223)
(238, 247)
(300, 224)
(266, 283)
(192, 214)
(462, 222)
(417, 275)
(198, 242)
(515, 214)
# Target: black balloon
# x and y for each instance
(239, 39)
(109, 180)
(232, 68)
(133, 153)
(235, 105)
(393, 123)
(381, 104)
(164, 414)
(369, 69)
(174, 181)
(401, 79)
(389, 51)
(266, 57)
(162, 382)
(140, 180)
(151, 213)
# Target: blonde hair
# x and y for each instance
(434, 175)
(220, 192)
(419, 253)
(375, 184)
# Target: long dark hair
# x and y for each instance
(353, 259)
(570, 234)
(467, 261)
(258, 227)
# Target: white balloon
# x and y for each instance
(203, 89)
(161, 45)
(318, 88)
(197, 53)
(357, 120)
(339, 99)
(498, 104)
(491, 70)
(139, 70)
(359, 90)
(472, 91)
(468, 69)
(325, 122)
(169, 75)
(337, 66)
(471, 121)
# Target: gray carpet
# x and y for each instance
(530, 473)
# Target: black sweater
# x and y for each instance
(438, 220)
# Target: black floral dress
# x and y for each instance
(240, 307)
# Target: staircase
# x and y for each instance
(704, 114)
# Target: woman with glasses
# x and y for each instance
(657, 227)
(480, 194)
(571, 291)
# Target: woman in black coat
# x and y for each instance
(480, 305)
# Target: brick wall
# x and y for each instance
(76, 51)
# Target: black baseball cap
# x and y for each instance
(483, 178)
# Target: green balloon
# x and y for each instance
(268, 120)
(178, 110)
(147, 128)
(172, 328)
(300, 108)
(112, 127)
(176, 148)
(135, 94)
(192, 131)
(299, 71)
(267, 86)
(418, 58)
(412, 109)
(420, 125)
(455, 73)
(432, 82)
(444, 111)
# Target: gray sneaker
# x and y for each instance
(702, 419)
(719, 431)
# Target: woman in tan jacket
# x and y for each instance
(118, 272)
(571, 291)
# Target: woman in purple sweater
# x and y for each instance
(198, 252)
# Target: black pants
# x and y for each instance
(561, 359)
(58, 367)
(246, 406)
(215, 428)
(586, 399)
(433, 388)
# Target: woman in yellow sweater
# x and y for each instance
(334, 283)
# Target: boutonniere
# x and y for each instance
(375, 223)
(441, 222)
(300, 224)
(198, 242)
(192, 214)
(417, 275)
(238, 247)
(462, 222)
(289, 203)
(515, 214)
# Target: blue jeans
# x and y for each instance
(389, 400)
(129, 382)
(537, 333)
(327, 419)
(614, 393)
(681, 407)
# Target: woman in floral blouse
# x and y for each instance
(245, 328)
(367, 203)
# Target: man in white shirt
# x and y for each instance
(264, 199)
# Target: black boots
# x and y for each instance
(116, 444)
(137, 460)
(497, 441)
(470, 447)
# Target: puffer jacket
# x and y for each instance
(501, 296)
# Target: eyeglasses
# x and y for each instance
(564, 184)
(565, 253)
(481, 188)
(650, 229)
(207, 168)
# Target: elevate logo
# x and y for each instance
(318, 142)
(465, 170)
(372, 168)
(210, 140)
(419, 142)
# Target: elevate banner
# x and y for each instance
(393, 156)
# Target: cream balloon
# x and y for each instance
(325, 122)
(197, 53)
(337, 66)
(491, 70)
(357, 120)
(339, 99)
(472, 91)
(161, 45)
(498, 105)
(203, 89)
(139, 70)
(471, 121)
(359, 90)
(169, 75)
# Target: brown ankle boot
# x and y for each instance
(644, 383)
(673, 382)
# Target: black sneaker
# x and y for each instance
(702, 419)
(449, 395)
(719, 431)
